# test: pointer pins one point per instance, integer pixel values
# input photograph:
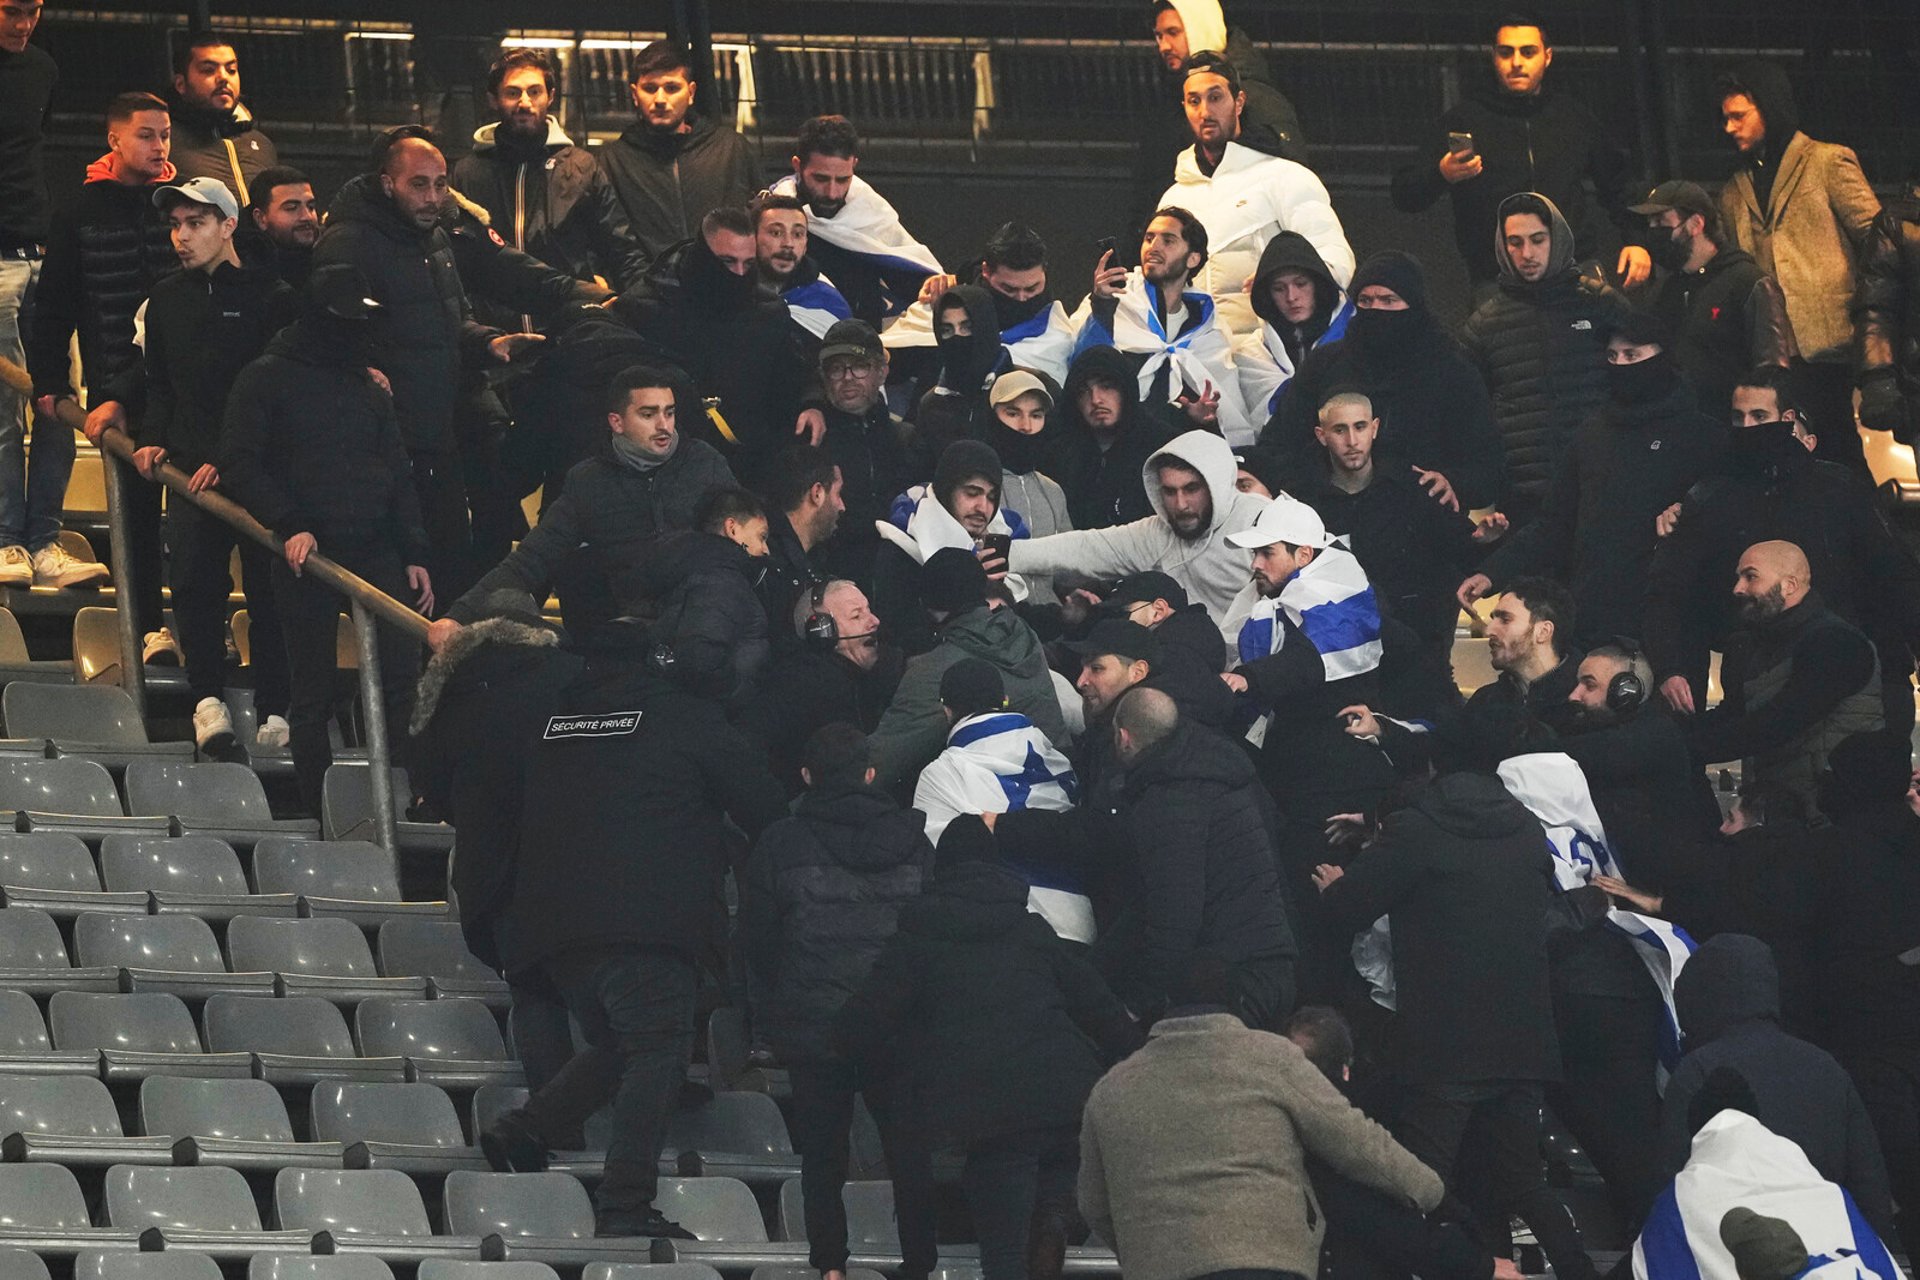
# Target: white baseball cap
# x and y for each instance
(1285, 519)
(207, 191)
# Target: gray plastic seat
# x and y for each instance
(175, 954)
(33, 957)
(218, 799)
(70, 1120)
(71, 795)
(452, 1043)
(546, 1206)
(94, 721)
(353, 879)
(789, 1272)
(25, 1047)
(137, 1035)
(41, 1197)
(54, 872)
(100, 1264)
(184, 1199)
(715, 1209)
(409, 1127)
(364, 1210)
(300, 1040)
(437, 950)
(457, 1269)
(22, 1264)
(346, 806)
(735, 1135)
(327, 958)
(187, 875)
(306, 1266)
(649, 1271)
(241, 1124)
(869, 1206)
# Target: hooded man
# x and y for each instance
(1642, 451)
(1435, 414)
(1107, 435)
(1538, 342)
(1728, 998)
(1803, 210)
(673, 166)
(1030, 319)
(1300, 307)
(543, 194)
(214, 134)
(972, 355)
(1190, 484)
(1243, 196)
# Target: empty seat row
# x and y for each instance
(95, 721)
(95, 1264)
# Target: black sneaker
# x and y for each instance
(652, 1224)
(512, 1146)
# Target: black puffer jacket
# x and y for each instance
(560, 408)
(709, 610)
(1192, 656)
(1596, 531)
(1727, 317)
(1541, 347)
(955, 407)
(224, 145)
(424, 330)
(605, 522)
(1002, 1028)
(821, 897)
(1103, 485)
(667, 182)
(104, 256)
(1727, 998)
(1204, 870)
(1887, 313)
(309, 445)
(569, 216)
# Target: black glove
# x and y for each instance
(1882, 407)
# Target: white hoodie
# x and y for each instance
(1250, 198)
(1210, 568)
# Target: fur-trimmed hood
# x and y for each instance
(444, 664)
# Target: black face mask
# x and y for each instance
(712, 286)
(1008, 312)
(1377, 332)
(1018, 451)
(1641, 383)
(1670, 252)
(1765, 444)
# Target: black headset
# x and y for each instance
(1626, 690)
(819, 630)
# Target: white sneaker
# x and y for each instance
(274, 733)
(55, 566)
(212, 726)
(159, 648)
(16, 567)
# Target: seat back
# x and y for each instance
(466, 1269)
(67, 785)
(71, 1106)
(21, 1030)
(304, 1025)
(649, 1271)
(149, 1022)
(735, 1123)
(354, 869)
(346, 800)
(381, 1202)
(41, 1197)
(184, 944)
(431, 949)
(48, 859)
(720, 1209)
(182, 1199)
(186, 1107)
(548, 1205)
(91, 714)
(212, 793)
(104, 1264)
(30, 939)
(461, 1030)
(418, 1114)
(302, 1266)
(328, 948)
(21, 1264)
(186, 864)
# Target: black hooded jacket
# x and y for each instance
(1767, 85)
(667, 182)
(568, 214)
(821, 897)
(1291, 251)
(1103, 483)
(1727, 317)
(1727, 998)
(1541, 347)
(956, 407)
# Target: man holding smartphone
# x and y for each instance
(1518, 134)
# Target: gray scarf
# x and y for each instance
(639, 459)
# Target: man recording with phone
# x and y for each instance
(1516, 134)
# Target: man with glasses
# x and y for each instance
(866, 440)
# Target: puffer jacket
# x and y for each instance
(103, 259)
(668, 182)
(709, 610)
(424, 331)
(554, 201)
(822, 895)
(1541, 347)
(225, 145)
(1886, 311)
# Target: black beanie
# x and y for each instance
(952, 581)
(966, 839)
(1400, 272)
(960, 462)
(972, 687)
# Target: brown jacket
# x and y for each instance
(1192, 1153)
(1808, 237)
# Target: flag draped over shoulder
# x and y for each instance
(869, 227)
(1200, 356)
(1333, 604)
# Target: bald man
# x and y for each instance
(1798, 680)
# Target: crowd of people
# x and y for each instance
(1060, 674)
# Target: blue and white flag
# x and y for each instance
(1201, 355)
(867, 226)
(1333, 604)
(1043, 341)
(1738, 1163)
(816, 306)
(1266, 367)
(1554, 787)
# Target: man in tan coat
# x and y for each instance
(1192, 1151)
(1803, 210)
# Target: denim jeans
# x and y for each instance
(1011, 1179)
(31, 501)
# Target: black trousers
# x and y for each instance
(200, 550)
(440, 482)
(823, 1095)
(1609, 1054)
(309, 618)
(1492, 1129)
(143, 549)
(1012, 1179)
(1889, 1085)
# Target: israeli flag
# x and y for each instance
(816, 306)
(1200, 356)
(1043, 341)
(869, 227)
(1553, 786)
(1738, 1163)
(1333, 604)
